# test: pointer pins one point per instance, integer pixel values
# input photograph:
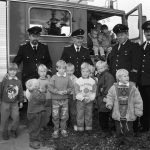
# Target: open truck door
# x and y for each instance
(134, 22)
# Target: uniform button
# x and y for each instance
(117, 60)
(143, 60)
(116, 65)
(142, 70)
(117, 55)
(144, 55)
(142, 65)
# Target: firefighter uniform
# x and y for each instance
(125, 55)
(144, 77)
(31, 57)
(76, 57)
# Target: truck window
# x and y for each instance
(54, 22)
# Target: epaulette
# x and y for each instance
(85, 47)
(23, 44)
(67, 45)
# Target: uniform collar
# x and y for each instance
(33, 45)
(61, 75)
(75, 46)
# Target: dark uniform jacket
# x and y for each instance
(31, 59)
(127, 57)
(144, 72)
(70, 55)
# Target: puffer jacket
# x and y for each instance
(135, 103)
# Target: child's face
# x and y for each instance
(61, 70)
(85, 73)
(100, 69)
(12, 73)
(124, 78)
(42, 73)
(94, 34)
(70, 71)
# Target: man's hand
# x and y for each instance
(20, 105)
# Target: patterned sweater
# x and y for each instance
(85, 89)
(11, 90)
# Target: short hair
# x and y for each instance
(60, 63)
(121, 72)
(85, 65)
(42, 66)
(13, 66)
(102, 63)
(70, 65)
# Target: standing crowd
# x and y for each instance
(117, 84)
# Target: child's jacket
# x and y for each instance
(134, 105)
(105, 81)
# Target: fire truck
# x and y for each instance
(16, 16)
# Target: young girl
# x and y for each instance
(105, 81)
(85, 89)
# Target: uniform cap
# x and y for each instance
(120, 28)
(146, 25)
(34, 30)
(78, 33)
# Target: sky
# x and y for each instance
(126, 5)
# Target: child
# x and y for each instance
(126, 103)
(85, 89)
(11, 94)
(60, 87)
(72, 101)
(105, 81)
(93, 39)
(44, 83)
(35, 111)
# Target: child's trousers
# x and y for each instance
(84, 115)
(60, 113)
(9, 110)
(35, 124)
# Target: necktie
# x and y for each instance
(77, 49)
(146, 45)
(34, 48)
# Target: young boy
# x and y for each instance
(105, 81)
(11, 94)
(85, 89)
(72, 101)
(44, 84)
(60, 88)
(126, 103)
(35, 111)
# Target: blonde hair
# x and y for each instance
(70, 65)
(60, 63)
(101, 63)
(13, 66)
(121, 72)
(92, 68)
(85, 66)
(42, 66)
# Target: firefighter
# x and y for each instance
(76, 53)
(144, 80)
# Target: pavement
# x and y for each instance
(20, 143)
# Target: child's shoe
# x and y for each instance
(64, 133)
(14, 133)
(5, 135)
(55, 134)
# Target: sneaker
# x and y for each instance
(64, 133)
(14, 133)
(5, 135)
(55, 134)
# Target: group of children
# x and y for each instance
(69, 97)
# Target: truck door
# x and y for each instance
(3, 47)
(134, 22)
